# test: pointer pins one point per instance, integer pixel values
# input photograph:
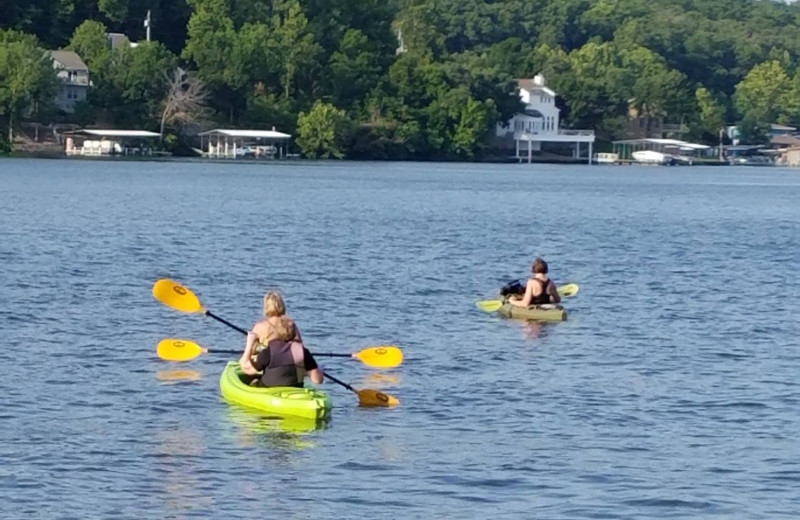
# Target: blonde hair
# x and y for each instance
(285, 329)
(274, 305)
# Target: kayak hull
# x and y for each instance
(534, 312)
(307, 403)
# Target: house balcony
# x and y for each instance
(75, 81)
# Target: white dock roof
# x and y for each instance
(252, 134)
(116, 133)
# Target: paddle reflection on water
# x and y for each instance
(178, 375)
(381, 380)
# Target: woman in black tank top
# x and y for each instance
(540, 288)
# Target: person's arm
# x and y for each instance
(298, 337)
(553, 291)
(313, 371)
(245, 361)
(526, 300)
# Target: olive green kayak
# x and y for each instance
(547, 312)
(280, 400)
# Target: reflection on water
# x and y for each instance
(281, 433)
(180, 443)
(382, 380)
(178, 374)
(179, 452)
(533, 329)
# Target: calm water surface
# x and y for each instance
(671, 392)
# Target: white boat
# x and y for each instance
(652, 157)
(606, 158)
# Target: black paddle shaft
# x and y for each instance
(226, 322)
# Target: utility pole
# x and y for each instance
(721, 133)
(147, 24)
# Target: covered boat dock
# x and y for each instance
(100, 142)
(236, 144)
(681, 149)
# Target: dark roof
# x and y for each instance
(69, 60)
(533, 113)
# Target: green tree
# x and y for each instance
(354, 68)
(266, 109)
(27, 77)
(210, 43)
(473, 125)
(323, 131)
(91, 43)
(712, 113)
(765, 93)
(656, 89)
(114, 10)
(297, 49)
(752, 131)
(138, 74)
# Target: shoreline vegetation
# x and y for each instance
(403, 79)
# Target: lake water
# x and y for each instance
(672, 390)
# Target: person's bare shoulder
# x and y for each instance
(262, 328)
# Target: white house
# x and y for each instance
(74, 76)
(539, 122)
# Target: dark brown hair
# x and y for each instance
(539, 266)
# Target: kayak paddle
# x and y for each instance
(384, 356)
(172, 294)
(565, 291)
(181, 298)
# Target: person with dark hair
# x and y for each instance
(539, 290)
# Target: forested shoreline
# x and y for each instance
(403, 79)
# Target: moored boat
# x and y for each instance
(653, 157)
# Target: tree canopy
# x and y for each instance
(417, 78)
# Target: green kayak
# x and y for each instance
(547, 312)
(281, 400)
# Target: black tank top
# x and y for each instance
(543, 297)
(286, 362)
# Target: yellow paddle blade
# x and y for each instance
(571, 289)
(382, 356)
(489, 305)
(172, 294)
(179, 349)
(372, 398)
